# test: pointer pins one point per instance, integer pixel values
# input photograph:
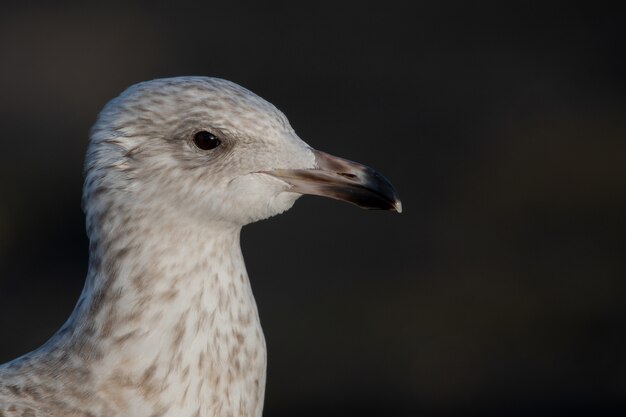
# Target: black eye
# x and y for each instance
(206, 140)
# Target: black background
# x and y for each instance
(501, 288)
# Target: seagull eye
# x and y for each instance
(206, 140)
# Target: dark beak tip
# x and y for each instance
(397, 206)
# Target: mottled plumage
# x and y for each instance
(167, 324)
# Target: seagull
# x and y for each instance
(167, 324)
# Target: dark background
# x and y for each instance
(501, 290)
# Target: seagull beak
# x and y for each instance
(342, 180)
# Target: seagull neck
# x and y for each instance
(161, 262)
(171, 306)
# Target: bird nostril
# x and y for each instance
(346, 175)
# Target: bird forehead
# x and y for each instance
(225, 104)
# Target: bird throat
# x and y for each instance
(167, 323)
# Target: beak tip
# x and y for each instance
(397, 205)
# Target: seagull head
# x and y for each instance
(211, 150)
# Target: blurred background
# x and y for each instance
(500, 290)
